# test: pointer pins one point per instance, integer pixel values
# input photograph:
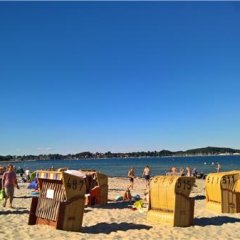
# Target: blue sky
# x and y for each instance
(118, 76)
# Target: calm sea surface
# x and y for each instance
(119, 166)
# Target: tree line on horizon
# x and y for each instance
(87, 155)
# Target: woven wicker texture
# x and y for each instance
(169, 200)
(222, 192)
(61, 200)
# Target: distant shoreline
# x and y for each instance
(177, 156)
(198, 152)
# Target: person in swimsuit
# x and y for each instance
(218, 167)
(131, 175)
(146, 174)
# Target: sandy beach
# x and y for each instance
(117, 220)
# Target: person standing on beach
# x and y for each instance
(20, 171)
(9, 181)
(131, 175)
(182, 171)
(188, 171)
(27, 173)
(146, 174)
(218, 167)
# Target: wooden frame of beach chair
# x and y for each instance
(222, 192)
(169, 201)
(61, 201)
(97, 187)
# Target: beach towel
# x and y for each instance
(118, 198)
(138, 204)
(127, 195)
(33, 185)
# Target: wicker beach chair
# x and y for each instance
(169, 201)
(222, 192)
(96, 187)
(61, 200)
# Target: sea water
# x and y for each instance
(118, 167)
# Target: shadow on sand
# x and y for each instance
(23, 197)
(116, 189)
(200, 197)
(217, 221)
(107, 228)
(87, 210)
(115, 205)
(15, 211)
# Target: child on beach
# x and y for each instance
(131, 175)
(182, 171)
(127, 195)
(188, 171)
(146, 174)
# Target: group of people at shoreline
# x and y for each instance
(146, 174)
(131, 175)
(9, 178)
